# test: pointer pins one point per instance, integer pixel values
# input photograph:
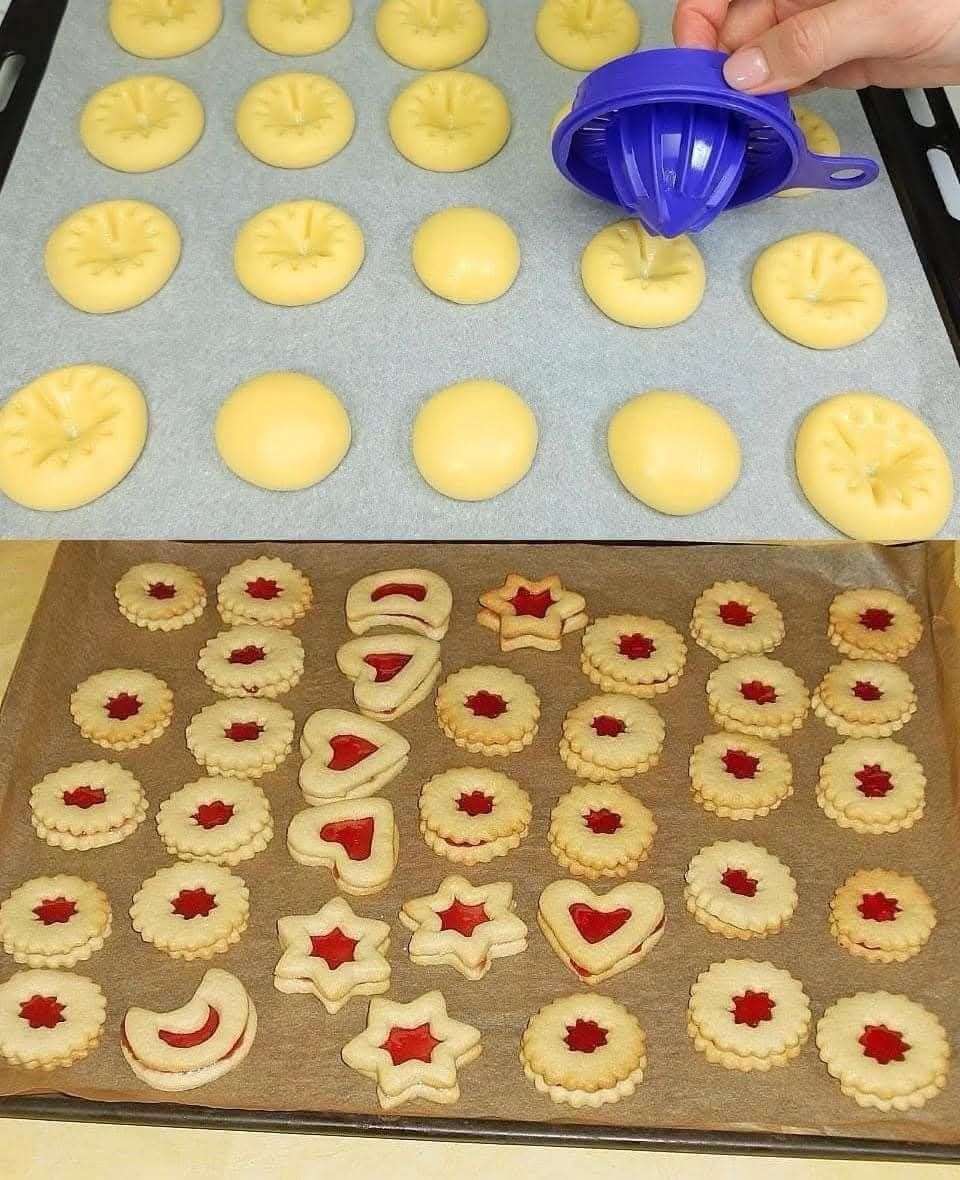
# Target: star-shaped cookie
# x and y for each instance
(532, 613)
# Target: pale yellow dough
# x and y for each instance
(474, 440)
(295, 120)
(821, 138)
(141, 123)
(873, 470)
(70, 436)
(298, 252)
(466, 255)
(450, 121)
(296, 28)
(282, 431)
(819, 290)
(640, 280)
(673, 452)
(112, 256)
(164, 28)
(583, 34)
(431, 34)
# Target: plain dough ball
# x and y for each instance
(112, 256)
(474, 440)
(164, 28)
(821, 139)
(282, 431)
(296, 28)
(142, 123)
(584, 34)
(673, 452)
(70, 436)
(431, 34)
(298, 252)
(640, 280)
(466, 255)
(873, 469)
(449, 122)
(819, 290)
(295, 120)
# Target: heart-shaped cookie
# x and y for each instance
(598, 935)
(416, 600)
(347, 756)
(355, 838)
(390, 673)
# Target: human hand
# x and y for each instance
(802, 44)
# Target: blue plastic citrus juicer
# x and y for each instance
(662, 135)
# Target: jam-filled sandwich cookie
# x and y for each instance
(874, 624)
(633, 654)
(886, 1051)
(191, 911)
(220, 820)
(347, 756)
(356, 839)
(464, 926)
(882, 916)
(872, 785)
(600, 830)
(739, 890)
(584, 1050)
(333, 955)
(413, 1050)
(54, 921)
(599, 935)
(49, 1019)
(865, 698)
(414, 600)
(739, 777)
(525, 612)
(610, 737)
(734, 619)
(391, 674)
(87, 805)
(471, 815)
(193, 1045)
(252, 661)
(488, 710)
(122, 708)
(759, 696)
(241, 738)
(263, 590)
(160, 596)
(746, 1015)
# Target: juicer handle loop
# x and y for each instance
(834, 172)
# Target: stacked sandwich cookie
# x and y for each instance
(413, 599)
(356, 839)
(873, 625)
(220, 820)
(87, 805)
(488, 710)
(252, 661)
(264, 590)
(872, 785)
(159, 596)
(610, 737)
(348, 756)
(238, 738)
(759, 696)
(600, 830)
(55, 921)
(471, 815)
(191, 911)
(865, 698)
(739, 777)
(633, 654)
(734, 619)
(391, 674)
(739, 890)
(122, 708)
(49, 1019)
(527, 612)
(882, 916)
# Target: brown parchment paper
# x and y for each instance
(295, 1064)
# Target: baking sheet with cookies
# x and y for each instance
(295, 1064)
(385, 344)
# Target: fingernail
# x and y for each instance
(746, 69)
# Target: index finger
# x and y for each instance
(697, 23)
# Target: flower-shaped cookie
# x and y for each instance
(610, 737)
(263, 590)
(488, 710)
(528, 612)
(347, 756)
(54, 921)
(734, 619)
(356, 839)
(883, 916)
(122, 708)
(471, 815)
(874, 624)
(160, 596)
(242, 738)
(872, 785)
(252, 661)
(633, 654)
(221, 820)
(191, 911)
(412, 599)
(87, 805)
(757, 695)
(49, 1019)
(865, 698)
(391, 674)
(600, 830)
(739, 777)
(740, 890)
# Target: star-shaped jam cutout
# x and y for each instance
(866, 690)
(55, 911)
(603, 822)
(873, 781)
(877, 907)
(123, 706)
(161, 590)
(606, 726)
(740, 764)
(84, 797)
(243, 731)
(752, 1007)
(528, 602)
(883, 1044)
(758, 692)
(213, 815)
(334, 947)
(736, 614)
(193, 903)
(486, 704)
(876, 619)
(636, 646)
(42, 1011)
(585, 1036)
(462, 917)
(387, 664)
(475, 803)
(739, 881)
(410, 1044)
(251, 654)
(263, 588)
(349, 749)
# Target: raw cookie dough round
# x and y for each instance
(295, 120)
(164, 28)
(474, 440)
(466, 255)
(298, 252)
(819, 290)
(640, 280)
(873, 470)
(70, 436)
(821, 139)
(112, 256)
(449, 122)
(673, 452)
(282, 431)
(431, 34)
(584, 34)
(296, 28)
(141, 123)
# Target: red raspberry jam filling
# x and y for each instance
(636, 647)
(603, 822)
(198, 1036)
(536, 605)
(883, 1044)
(387, 664)
(123, 706)
(596, 925)
(585, 1036)
(410, 1044)
(736, 614)
(864, 690)
(251, 654)
(243, 731)
(606, 726)
(335, 948)
(740, 764)
(486, 704)
(161, 590)
(877, 907)
(476, 803)
(752, 1007)
(873, 781)
(263, 588)
(213, 815)
(740, 882)
(462, 917)
(84, 797)
(355, 836)
(401, 590)
(55, 911)
(42, 1011)
(758, 692)
(876, 619)
(193, 903)
(348, 750)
